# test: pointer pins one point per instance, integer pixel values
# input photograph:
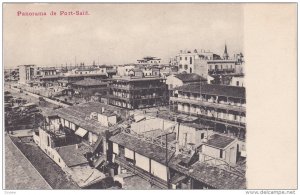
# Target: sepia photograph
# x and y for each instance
(140, 96)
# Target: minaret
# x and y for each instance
(225, 55)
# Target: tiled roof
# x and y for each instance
(72, 156)
(213, 176)
(89, 82)
(77, 114)
(210, 89)
(219, 141)
(190, 77)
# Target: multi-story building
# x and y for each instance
(206, 63)
(26, 73)
(222, 107)
(138, 92)
(177, 80)
(45, 71)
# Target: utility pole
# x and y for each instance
(168, 173)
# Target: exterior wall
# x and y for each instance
(112, 120)
(115, 148)
(231, 153)
(191, 135)
(210, 151)
(151, 124)
(159, 170)
(103, 119)
(239, 68)
(26, 72)
(237, 81)
(201, 67)
(173, 82)
(142, 162)
(52, 153)
(124, 70)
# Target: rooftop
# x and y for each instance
(210, 89)
(192, 77)
(72, 156)
(78, 115)
(132, 78)
(144, 148)
(219, 141)
(89, 82)
(213, 176)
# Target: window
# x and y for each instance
(202, 135)
(191, 60)
(185, 67)
(180, 66)
(185, 58)
(180, 58)
(237, 83)
(221, 154)
(48, 141)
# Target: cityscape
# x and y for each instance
(176, 122)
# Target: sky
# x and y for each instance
(117, 33)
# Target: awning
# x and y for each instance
(81, 132)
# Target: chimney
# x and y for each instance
(76, 146)
(102, 109)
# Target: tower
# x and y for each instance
(225, 55)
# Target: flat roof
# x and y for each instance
(89, 82)
(144, 148)
(219, 141)
(72, 156)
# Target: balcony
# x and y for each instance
(217, 120)
(240, 109)
(130, 87)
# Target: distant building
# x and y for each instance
(207, 63)
(177, 80)
(89, 87)
(123, 70)
(138, 92)
(46, 71)
(26, 73)
(149, 60)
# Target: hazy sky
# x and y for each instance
(117, 33)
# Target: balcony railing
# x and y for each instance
(209, 104)
(215, 119)
(129, 87)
